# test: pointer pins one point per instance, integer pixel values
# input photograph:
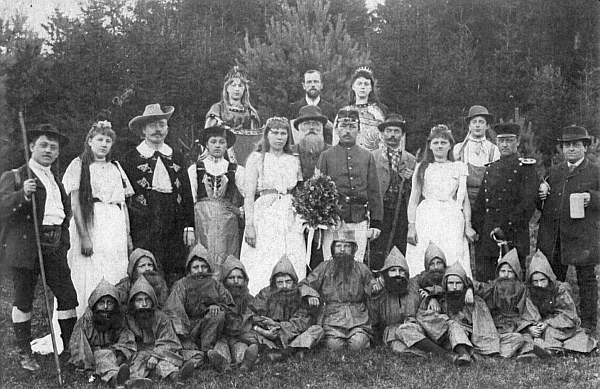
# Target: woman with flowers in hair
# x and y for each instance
(363, 97)
(235, 111)
(272, 227)
(439, 210)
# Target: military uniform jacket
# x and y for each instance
(506, 199)
(17, 213)
(354, 173)
(579, 238)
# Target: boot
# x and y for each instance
(218, 361)
(430, 346)
(66, 330)
(187, 370)
(464, 359)
(250, 357)
(122, 376)
(23, 335)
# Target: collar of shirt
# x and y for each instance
(148, 152)
(477, 140)
(310, 101)
(39, 169)
(216, 166)
(574, 165)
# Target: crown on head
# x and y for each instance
(364, 69)
(236, 72)
(440, 127)
(103, 124)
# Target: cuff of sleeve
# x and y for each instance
(376, 224)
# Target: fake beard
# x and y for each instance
(237, 290)
(311, 143)
(158, 283)
(432, 278)
(507, 293)
(342, 265)
(107, 320)
(144, 316)
(542, 298)
(283, 303)
(455, 300)
(396, 286)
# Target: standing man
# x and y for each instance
(353, 170)
(53, 213)
(394, 170)
(506, 200)
(162, 204)
(476, 151)
(566, 237)
(312, 85)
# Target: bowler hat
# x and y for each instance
(48, 129)
(344, 236)
(479, 110)
(310, 112)
(348, 115)
(225, 132)
(392, 120)
(504, 130)
(574, 132)
(153, 112)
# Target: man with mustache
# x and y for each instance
(312, 85)
(158, 348)
(394, 165)
(506, 200)
(551, 318)
(284, 321)
(238, 341)
(463, 329)
(573, 238)
(344, 286)
(354, 172)
(162, 205)
(101, 340)
(143, 263)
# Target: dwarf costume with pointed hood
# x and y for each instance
(154, 336)
(431, 280)
(472, 326)
(555, 307)
(189, 302)
(391, 312)
(101, 350)
(290, 309)
(155, 279)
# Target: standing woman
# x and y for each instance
(272, 227)
(235, 111)
(443, 216)
(364, 99)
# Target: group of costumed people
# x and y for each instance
(316, 228)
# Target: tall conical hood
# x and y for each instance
(104, 288)
(284, 265)
(142, 285)
(433, 251)
(201, 252)
(512, 258)
(229, 265)
(395, 258)
(135, 256)
(539, 263)
(455, 270)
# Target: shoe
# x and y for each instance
(527, 357)
(463, 360)
(250, 356)
(28, 362)
(122, 375)
(541, 352)
(187, 370)
(139, 383)
(217, 361)
(451, 357)
(276, 357)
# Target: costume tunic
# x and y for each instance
(278, 229)
(371, 115)
(439, 216)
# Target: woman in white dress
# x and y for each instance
(272, 227)
(439, 209)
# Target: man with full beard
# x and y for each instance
(101, 341)
(464, 329)
(344, 286)
(284, 320)
(551, 318)
(143, 262)
(430, 279)
(158, 348)
(237, 342)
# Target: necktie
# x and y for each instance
(396, 158)
(477, 146)
(571, 168)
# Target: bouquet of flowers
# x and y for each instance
(317, 203)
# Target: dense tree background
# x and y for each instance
(433, 60)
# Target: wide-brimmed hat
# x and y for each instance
(392, 120)
(48, 129)
(310, 112)
(153, 112)
(504, 130)
(348, 115)
(574, 132)
(479, 110)
(206, 133)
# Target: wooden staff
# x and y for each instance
(39, 248)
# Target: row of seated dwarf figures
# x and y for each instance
(212, 318)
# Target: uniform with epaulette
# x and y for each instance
(506, 200)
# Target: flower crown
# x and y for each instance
(364, 69)
(441, 128)
(103, 124)
(236, 72)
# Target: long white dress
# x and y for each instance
(108, 234)
(439, 216)
(278, 229)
